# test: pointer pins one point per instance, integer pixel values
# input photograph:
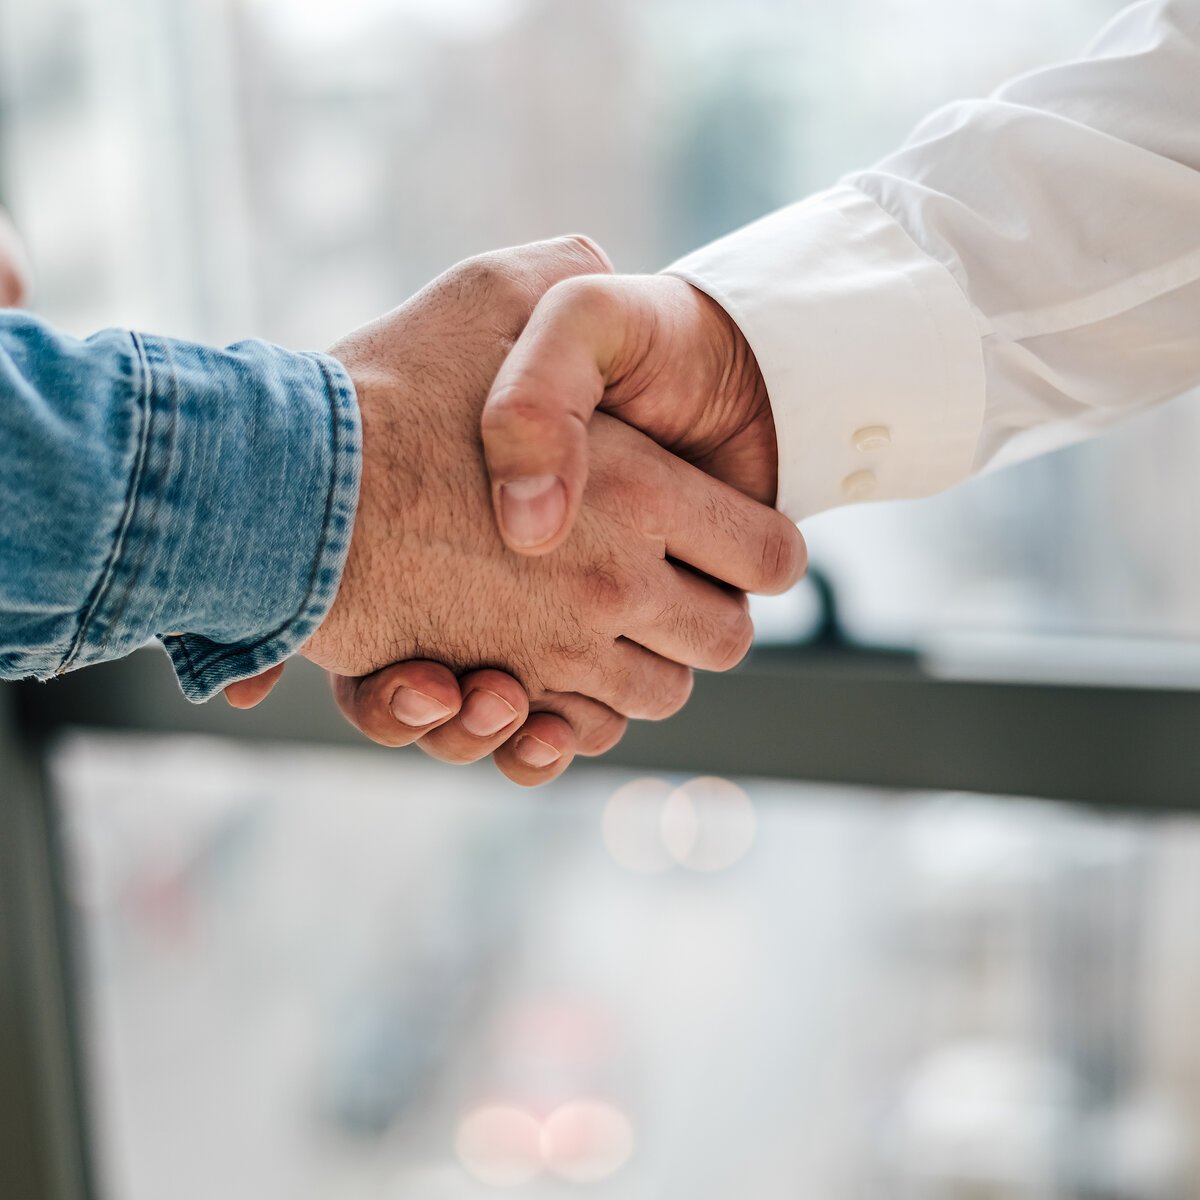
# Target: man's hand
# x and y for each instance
(653, 351)
(485, 712)
(422, 374)
(607, 628)
(459, 720)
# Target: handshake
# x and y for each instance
(526, 572)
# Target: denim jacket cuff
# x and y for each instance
(241, 508)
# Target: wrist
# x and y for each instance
(737, 420)
(329, 642)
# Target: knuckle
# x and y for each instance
(603, 734)
(733, 643)
(609, 591)
(671, 692)
(516, 402)
(588, 297)
(590, 254)
(781, 557)
(484, 271)
(495, 281)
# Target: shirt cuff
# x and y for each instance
(240, 510)
(870, 352)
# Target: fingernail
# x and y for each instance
(533, 509)
(533, 752)
(485, 713)
(416, 709)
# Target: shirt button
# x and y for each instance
(860, 485)
(872, 437)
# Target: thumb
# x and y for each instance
(535, 420)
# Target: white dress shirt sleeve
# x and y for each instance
(1025, 271)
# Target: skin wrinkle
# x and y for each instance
(728, 635)
(638, 354)
(775, 553)
(611, 592)
(664, 323)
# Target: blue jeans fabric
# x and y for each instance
(157, 488)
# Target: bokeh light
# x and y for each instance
(500, 1145)
(708, 823)
(705, 824)
(586, 1141)
(632, 826)
(582, 1141)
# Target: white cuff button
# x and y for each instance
(860, 485)
(872, 437)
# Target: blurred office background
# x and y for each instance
(355, 976)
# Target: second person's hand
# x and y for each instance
(651, 350)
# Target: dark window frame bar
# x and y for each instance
(872, 718)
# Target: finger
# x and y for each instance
(399, 704)
(694, 621)
(714, 527)
(564, 726)
(541, 750)
(632, 681)
(597, 728)
(535, 420)
(246, 693)
(494, 707)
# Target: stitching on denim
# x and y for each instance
(160, 447)
(181, 642)
(208, 663)
(100, 591)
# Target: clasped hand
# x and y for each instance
(622, 545)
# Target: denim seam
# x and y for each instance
(108, 573)
(202, 664)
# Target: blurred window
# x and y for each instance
(342, 974)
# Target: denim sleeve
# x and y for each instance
(151, 487)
